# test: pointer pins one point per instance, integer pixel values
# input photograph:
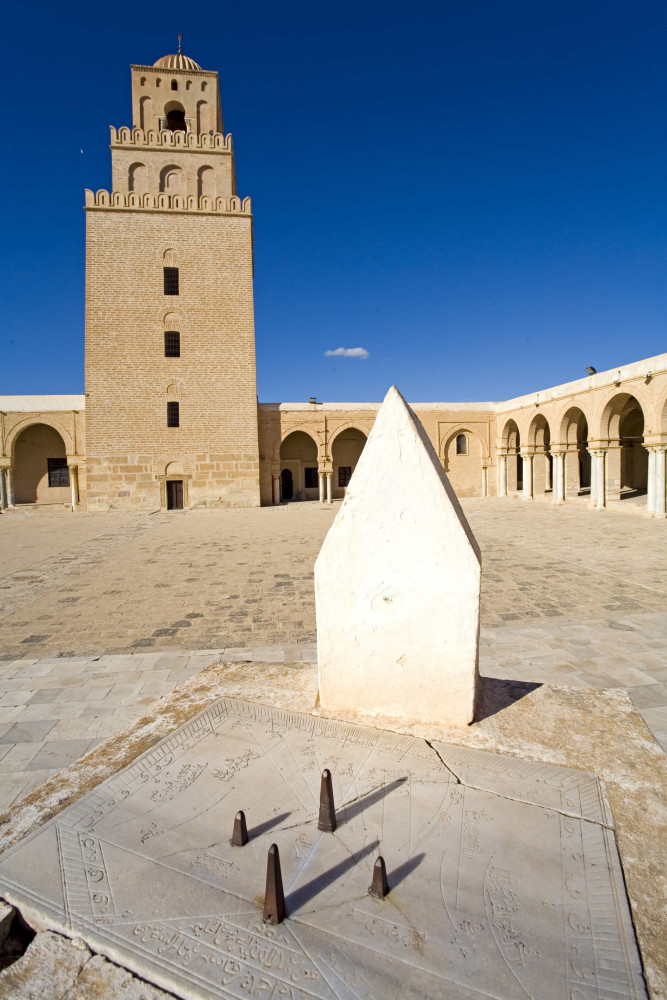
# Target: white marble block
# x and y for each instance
(397, 584)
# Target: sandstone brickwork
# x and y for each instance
(173, 206)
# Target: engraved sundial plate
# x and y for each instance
(506, 884)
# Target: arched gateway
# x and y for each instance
(40, 473)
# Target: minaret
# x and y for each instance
(171, 404)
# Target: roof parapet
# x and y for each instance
(167, 202)
(137, 138)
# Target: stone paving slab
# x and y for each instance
(87, 704)
(540, 563)
(504, 890)
(570, 596)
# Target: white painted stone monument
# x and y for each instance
(397, 584)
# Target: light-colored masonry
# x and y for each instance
(170, 416)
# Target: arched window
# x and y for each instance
(206, 182)
(174, 84)
(202, 116)
(170, 272)
(188, 85)
(146, 113)
(158, 82)
(137, 178)
(173, 407)
(461, 444)
(175, 115)
(171, 180)
(143, 81)
(203, 86)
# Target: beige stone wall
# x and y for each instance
(626, 409)
(173, 204)
(143, 163)
(197, 91)
(128, 378)
(32, 430)
(328, 425)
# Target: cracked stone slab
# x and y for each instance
(571, 792)
(492, 894)
(47, 971)
(57, 968)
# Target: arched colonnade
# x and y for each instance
(311, 469)
(606, 452)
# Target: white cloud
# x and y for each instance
(347, 352)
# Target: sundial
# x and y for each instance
(504, 878)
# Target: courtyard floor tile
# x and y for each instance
(101, 614)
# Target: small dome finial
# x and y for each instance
(180, 44)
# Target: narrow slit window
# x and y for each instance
(58, 471)
(461, 444)
(173, 414)
(171, 281)
(344, 475)
(172, 344)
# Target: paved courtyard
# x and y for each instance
(100, 614)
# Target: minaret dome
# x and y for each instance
(176, 61)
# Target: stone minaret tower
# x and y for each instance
(171, 404)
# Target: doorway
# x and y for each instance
(174, 494)
(286, 485)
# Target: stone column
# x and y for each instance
(660, 481)
(485, 481)
(3, 490)
(527, 477)
(651, 482)
(558, 495)
(657, 486)
(329, 477)
(539, 472)
(276, 488)
(9, 475)
(320, 480)
(612, 463)
(598, 470)
(571, 474)
(74, 484)
(502, 475)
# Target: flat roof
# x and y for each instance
(41, 404)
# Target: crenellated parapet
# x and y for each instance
(167, 202)
(137, 138)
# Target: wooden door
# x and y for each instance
(174, 494)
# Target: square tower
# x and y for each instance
(171, 397)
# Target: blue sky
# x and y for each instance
(473, 192)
